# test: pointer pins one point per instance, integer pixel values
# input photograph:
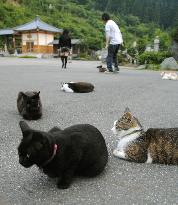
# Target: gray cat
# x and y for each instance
(29, 105)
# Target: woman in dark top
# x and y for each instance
(64, 46)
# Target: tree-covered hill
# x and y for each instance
(83, 18)
(162, 12)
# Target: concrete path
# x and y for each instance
(153, 101)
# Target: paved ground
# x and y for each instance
(152, 100)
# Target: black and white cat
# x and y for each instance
(77, 87)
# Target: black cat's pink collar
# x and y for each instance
(52, 157)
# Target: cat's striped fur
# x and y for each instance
(156, 145)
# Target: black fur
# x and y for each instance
(81, 151)
(81, 87)
(29, 105)
(101, 69)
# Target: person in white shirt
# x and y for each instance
(113, 42)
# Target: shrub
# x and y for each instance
(132, 52)
(152, 67)
(85, 56)
(153, 57)
(122, 58)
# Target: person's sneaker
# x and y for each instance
(108, 71)
(116, 70)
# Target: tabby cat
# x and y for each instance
(29, 105)
(156, 145)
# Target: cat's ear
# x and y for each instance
(25, 128)
(127, 110)
(129, 116)
(23, 94)
(37, 95)
(138, 122)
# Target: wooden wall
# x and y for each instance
(38, 49)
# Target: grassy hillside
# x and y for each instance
(83, 21)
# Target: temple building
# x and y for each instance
(33, 37)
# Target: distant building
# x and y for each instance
(32, 37)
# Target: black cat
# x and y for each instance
(29, 105)
(76, 150)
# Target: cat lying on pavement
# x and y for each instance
(102, 68)
(169, 76)
(156, 145)
(76, 150)
(77, 87)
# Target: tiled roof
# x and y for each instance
(7, 31)
(37, 24)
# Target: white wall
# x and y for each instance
(25, 38)
(44, 39)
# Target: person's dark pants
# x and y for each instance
(64, 61)
(112, 56)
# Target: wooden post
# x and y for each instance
(78, 50)
(5, 45)
(45, 46)
(37, 41)
(21, 43)
(14, 44)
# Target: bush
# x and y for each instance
(85, 56)
(152, 67)
(122, 58)
(153, 57)
(132, 52)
